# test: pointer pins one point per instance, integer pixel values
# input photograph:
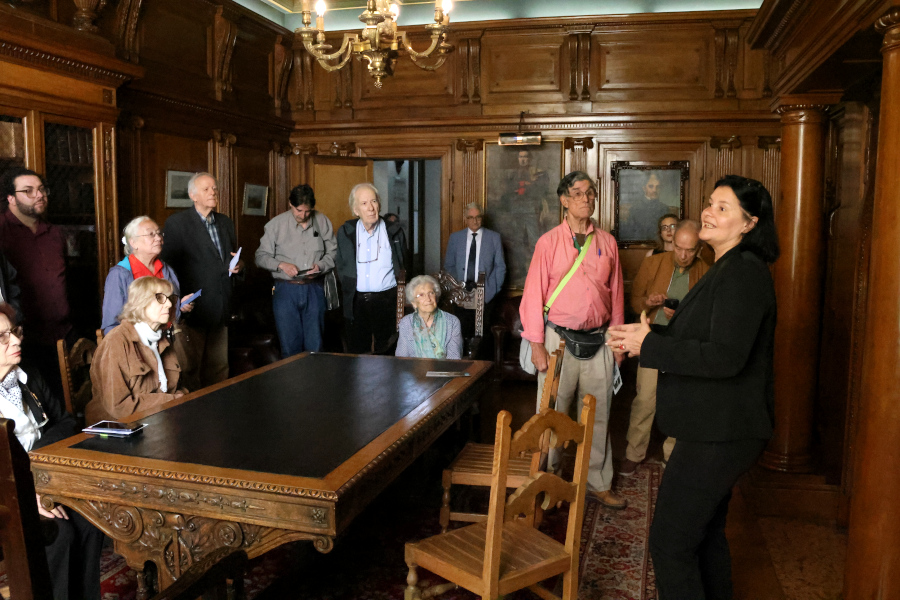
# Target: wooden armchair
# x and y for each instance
(472, 466)
(507, 553)
(22, 537)
(75, 371)
(453, 295)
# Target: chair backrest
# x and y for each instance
(454, 293)
(548, 399)
(551, 488)
(75, 371)
(21, 536)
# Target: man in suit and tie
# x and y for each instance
(200, 244)
(470, 251)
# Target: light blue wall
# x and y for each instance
(490, 10)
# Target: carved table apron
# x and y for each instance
(291, 451)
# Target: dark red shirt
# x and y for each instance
(39, 258)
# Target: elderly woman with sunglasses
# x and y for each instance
(428, 332)
(135, 368)
(74, 554)
(143, 242)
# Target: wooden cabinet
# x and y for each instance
(57, 117)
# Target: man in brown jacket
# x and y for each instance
(662, 281)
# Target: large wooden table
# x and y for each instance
(292, 451)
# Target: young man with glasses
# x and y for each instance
(591, 298)
(36, 249)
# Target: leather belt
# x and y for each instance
(366, 296)
(299, 281)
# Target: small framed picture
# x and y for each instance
(256, 198)
(643, 193)
(177, 189)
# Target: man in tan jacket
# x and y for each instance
(662, 281)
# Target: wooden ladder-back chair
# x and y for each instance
(21, 534)
(507, 553)
(453, 294)
(472, 466)
(75, 371)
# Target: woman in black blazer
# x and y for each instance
(714, 393)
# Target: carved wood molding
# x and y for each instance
(731, 143)
(803, 113)
(342, 148)
(579, 64)
(127, 16)
(470, 66)
(282, 61)
(726, 45)
(343, 86)
(225, 36)
(98, 466)
(245, 120)
(768, 142)
(888, 25)
(305, 149)
(58, 64)
(302, 79)
(471, 176)
(579, 148)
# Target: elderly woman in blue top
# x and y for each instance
(428, 332)
(143, 242)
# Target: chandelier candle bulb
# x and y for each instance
(305, 5)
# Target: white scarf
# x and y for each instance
(151, 339)
(26, 430)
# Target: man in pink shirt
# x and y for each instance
(591, 300)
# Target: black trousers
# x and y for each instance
(74, 559)
(374, 315)
(467, 324)
(687, 538)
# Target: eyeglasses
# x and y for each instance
(580, 196)
(161, 298)
(475, 218)
(32, 192)
(16, 331)
(154, 234)
(667, 227)
(430, 294)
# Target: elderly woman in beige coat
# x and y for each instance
(134, 368)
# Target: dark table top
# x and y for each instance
(303, 418)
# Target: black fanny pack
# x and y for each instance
(583, 345)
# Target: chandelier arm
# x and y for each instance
(435, 38)
(346, 48)
(338, 66)
(437, 65)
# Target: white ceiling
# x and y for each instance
(416, 12)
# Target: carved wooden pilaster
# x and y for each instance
(767, 75)
(470, 184)
(470, 70)
(719, 42)
(724, 147)
(308, 78)
(873, 568)
(579, 64)
(799, 279)
(578, 148)
(282, 59)
(726, 43)
(475, 65)
(771, 165)
(221, 161)
(225, 36)
(279, 175)
(300, 162)
(463, 58)
(107, 198)
(127, 14)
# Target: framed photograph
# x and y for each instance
(256, 198)
(642, 193)
(177, 189)
(520, 200)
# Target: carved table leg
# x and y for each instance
(143, 590)
(445, 501)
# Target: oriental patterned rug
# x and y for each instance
(367, 563)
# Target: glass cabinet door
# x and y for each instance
(12, 143)
(69, 154)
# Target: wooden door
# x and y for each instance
(332, 179)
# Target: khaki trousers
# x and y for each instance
(643, 409)
(580, 377)
(203, 354)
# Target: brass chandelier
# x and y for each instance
(379, 43)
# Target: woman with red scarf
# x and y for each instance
(143, 242)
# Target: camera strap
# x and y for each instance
(581, 254)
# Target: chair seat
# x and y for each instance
(473, 467)
(527, 556)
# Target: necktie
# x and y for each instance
(470, 269)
